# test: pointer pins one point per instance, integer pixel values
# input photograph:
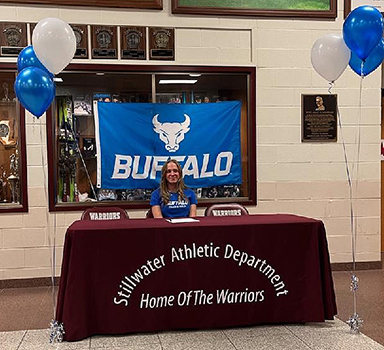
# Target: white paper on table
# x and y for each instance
(181, 220)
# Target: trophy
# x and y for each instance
(3, 185)
(13, 178)
(161, 43)
(13, 38)
(133, 43)
(104, 42)
(6, 92)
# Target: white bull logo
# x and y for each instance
(171, 133)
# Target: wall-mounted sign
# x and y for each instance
(133, 43)
(13, 38)
(319, 118)
(104, 42)
(161, 43)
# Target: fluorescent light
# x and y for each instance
(57, 80)
(195, 75)
(178, 81)
(100, 73)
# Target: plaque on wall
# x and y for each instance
(81, 34)
(319, 118)
(13, 38)
(104, 42)
(133, 43)
(161, 43)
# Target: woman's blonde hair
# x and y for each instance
(165, 195)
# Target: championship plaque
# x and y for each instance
(133, 42)
(161, 43)
(104, 42)
(13, 38)
(81, 34)
(319, 118)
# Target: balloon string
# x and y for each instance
(349, 174)
(331, 84)
(358, 160)
(347, 166)
(352, 216)
(362, 70)
(51, 244)
(354, 219)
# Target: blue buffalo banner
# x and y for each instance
(134, 140)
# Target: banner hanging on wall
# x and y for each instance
(134, 140)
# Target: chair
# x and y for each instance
(149, 214)
(104, 213)
(226, 209)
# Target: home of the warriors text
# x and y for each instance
(197, 297)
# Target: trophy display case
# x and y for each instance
(74, 129)
(72, 157)
(13, 193)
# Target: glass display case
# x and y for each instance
(13, 190)
(72, 157)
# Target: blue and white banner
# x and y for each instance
(134, 140)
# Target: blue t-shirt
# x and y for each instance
(174, 208)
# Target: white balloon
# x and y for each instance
(54, 43)
(330, 56)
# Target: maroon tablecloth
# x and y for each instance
(150, 275)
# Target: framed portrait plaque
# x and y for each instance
(319, 118)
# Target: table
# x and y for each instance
(140, 275)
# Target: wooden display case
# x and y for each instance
(72, 159)
(13, 191)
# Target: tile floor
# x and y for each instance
(25, 313)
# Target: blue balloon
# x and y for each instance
(362, 30)
(35, 90)
(28, 58)
(373, 61)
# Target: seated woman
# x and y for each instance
(173, 199)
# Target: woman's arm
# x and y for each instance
(193, 211)
(156, 211)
